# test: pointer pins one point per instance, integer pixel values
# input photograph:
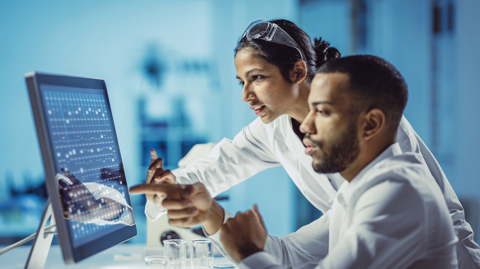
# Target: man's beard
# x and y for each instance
(340, 153)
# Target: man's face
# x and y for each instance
(330, 128)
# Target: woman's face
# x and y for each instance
(264, 87)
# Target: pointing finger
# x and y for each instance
(168, 189)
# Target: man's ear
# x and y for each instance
(374, 123)
(299, 72)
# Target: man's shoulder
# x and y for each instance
(407, 166)
(406, 169)
(400, 180)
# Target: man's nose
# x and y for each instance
(308, 125)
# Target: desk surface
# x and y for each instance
(120, 256)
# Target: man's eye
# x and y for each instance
(241, 83)
(322, 112)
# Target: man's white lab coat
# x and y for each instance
(391, 215)
(260, 146)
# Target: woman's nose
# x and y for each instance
(247, 93)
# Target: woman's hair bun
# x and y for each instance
(324, 52)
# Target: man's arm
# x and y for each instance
(232, 161)
(307, 244)
(243, 236)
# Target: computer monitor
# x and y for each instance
(83, 167)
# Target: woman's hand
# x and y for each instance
(187, 205)
(156, 174)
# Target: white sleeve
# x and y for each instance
(306, 246)
(154, 212)
(263, 260)
(229, 163)
(260, 260)
(301, 249)
(233, 161)
(390, 234)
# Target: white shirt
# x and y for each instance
(391, 215)
(260, 146)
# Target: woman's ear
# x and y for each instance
(299, 72)
(374, 123)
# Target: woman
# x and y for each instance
(275, 63)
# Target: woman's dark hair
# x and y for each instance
(285, 57)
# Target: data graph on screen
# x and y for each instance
(89, 172)
(82, 132)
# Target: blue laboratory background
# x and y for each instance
(169, 70)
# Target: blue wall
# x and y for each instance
(112, 40)
(465, 104)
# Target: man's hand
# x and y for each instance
(156, 174)
(187, 205)
(244, 235)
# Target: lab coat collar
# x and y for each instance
(348, 189)
(298, 146)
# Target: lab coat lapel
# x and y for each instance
(296, 146)
(298, 149)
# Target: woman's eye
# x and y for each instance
(254, 78)
(322, 112)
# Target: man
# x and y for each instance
(390, 213)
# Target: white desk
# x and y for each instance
(109, 258)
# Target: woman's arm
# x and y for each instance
(229, 163)
(233, 161)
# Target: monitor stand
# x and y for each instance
(43, 240)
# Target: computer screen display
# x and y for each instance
(83, 165)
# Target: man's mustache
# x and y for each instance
(316, 142)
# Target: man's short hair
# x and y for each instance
(374, 83)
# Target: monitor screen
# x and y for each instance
(83, 165)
